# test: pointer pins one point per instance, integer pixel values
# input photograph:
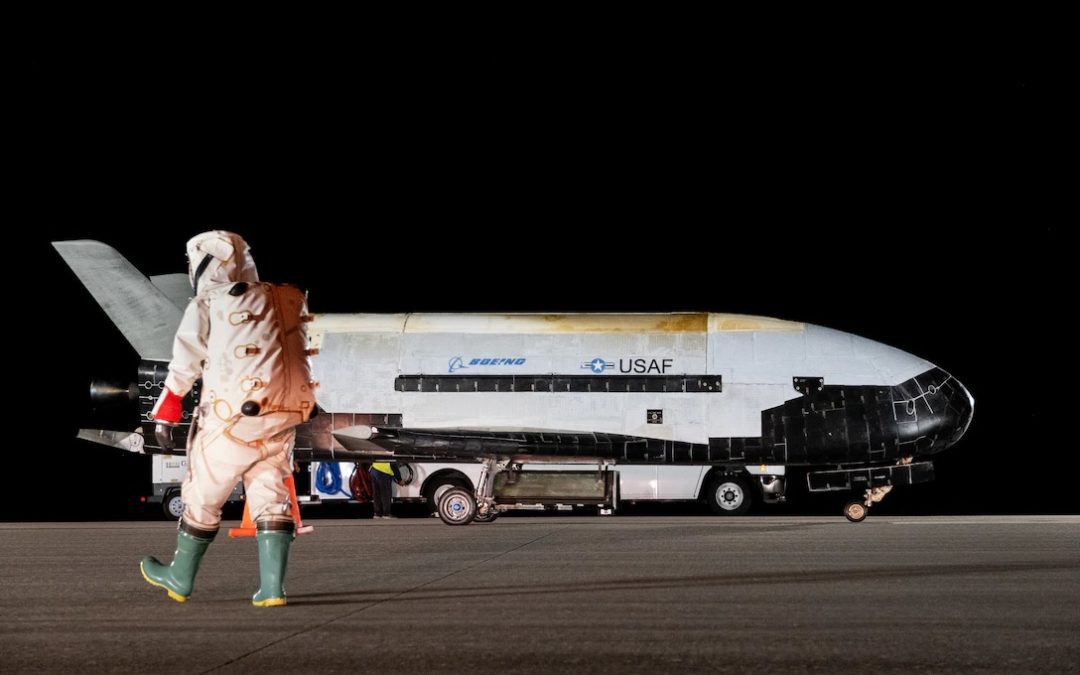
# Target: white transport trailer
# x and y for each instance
(428, 481)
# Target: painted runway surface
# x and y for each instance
(559, 594)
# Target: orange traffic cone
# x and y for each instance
(247, 526)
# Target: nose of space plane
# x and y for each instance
(933, 410)
(961, 406)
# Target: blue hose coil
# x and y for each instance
(328, 479)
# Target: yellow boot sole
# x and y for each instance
(269, 602)
(172, 594)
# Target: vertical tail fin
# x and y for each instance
(146, 317)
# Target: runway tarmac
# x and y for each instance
(582, 594)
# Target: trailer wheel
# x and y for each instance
(171, 505)
(457, 507)
(728, 495)
(855, 511)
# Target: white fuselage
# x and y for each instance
(361, 355)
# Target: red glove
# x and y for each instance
(168, 408)
(166, 413)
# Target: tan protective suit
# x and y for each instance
(248, 343)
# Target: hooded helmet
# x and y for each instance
(219, 257)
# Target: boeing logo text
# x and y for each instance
(457, 363)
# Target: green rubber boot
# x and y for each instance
(179, 576)
(274, 539)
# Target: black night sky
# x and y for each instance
(911, 203)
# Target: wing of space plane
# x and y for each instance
(732, 393)
(471, 444)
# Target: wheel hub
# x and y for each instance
(729, 496)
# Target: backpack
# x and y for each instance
(257, 377)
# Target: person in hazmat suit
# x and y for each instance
(248, 343)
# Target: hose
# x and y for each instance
(328, 479)
(360, 482)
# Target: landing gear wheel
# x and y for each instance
(435, 490)
(172, 506)
(457, 507)
(855, 511)
(728, 495)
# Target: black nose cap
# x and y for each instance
(933, 410)
(250, 408)
(963, 403)
(954, 407)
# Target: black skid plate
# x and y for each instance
(870, 477)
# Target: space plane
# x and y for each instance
(752, 397)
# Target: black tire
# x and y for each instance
(171, 505)
(457, 507)
(436, 487)
(728, 495)
(489, 518)
(855, 511)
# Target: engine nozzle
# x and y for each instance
(110, 393)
